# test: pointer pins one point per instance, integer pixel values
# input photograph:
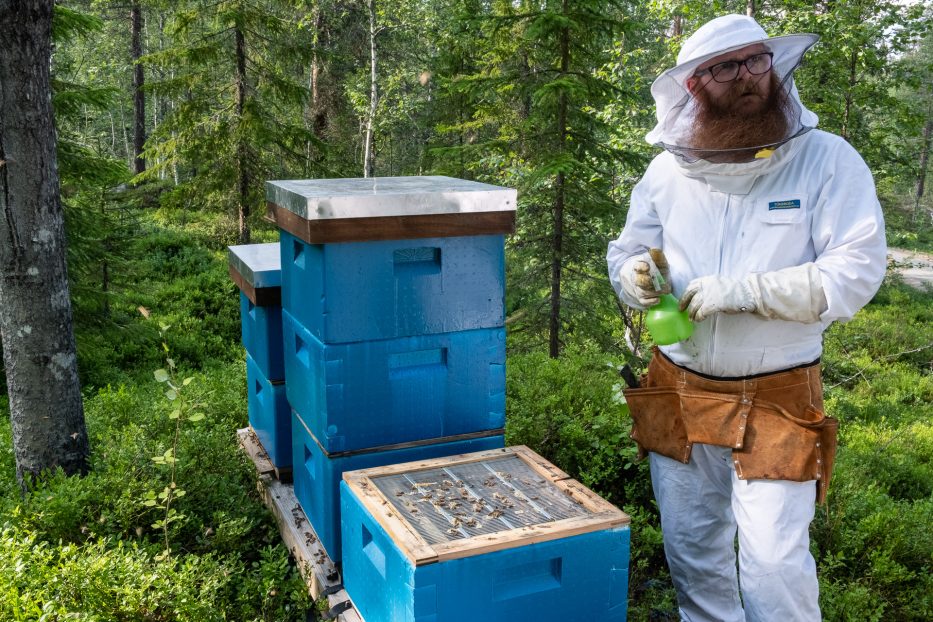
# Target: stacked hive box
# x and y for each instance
(393, 323)
(499, 535)
(255, 268)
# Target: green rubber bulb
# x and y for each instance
(667, 323)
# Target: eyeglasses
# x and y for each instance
(729, 70)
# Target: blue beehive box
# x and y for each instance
(363, 395)
(269, 414)
(358, 291)
(497, 536)
(317, 474)
(256, 270)
(385, 257)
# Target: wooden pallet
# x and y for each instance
(318, 570)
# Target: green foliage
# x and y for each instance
(88, 545)
(104, 579)
(570, 410)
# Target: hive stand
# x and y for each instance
(317, 569)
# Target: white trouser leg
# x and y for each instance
(699, 532)
(778, 573)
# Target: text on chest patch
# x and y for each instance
(788, 204)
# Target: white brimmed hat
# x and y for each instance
(716, 37)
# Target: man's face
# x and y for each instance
(735, 118)
(747, 93)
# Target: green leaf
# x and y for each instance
(160, 375)
(172, 395)
(187, 381)
(175, 414)
(196, 417)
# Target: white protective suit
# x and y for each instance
(804, 228)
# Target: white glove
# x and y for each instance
(716, 294)
(647, 278)
(794, 294)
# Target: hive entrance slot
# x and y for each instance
(475, 498)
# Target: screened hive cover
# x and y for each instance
(475, 503)
(258, 264)
(321, 199)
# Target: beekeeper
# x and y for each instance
(770, 230)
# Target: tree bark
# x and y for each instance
(557, 242)
(242, 157)
(847, 113)
(368, 157)
(750, 8)
(924, 164)
(139, 98)
(36, 325)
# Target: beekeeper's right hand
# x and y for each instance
(646, 277)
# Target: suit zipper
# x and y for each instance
(722, 243)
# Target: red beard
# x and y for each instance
(735, 122)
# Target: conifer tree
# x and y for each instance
(236, 82)
(537, 98)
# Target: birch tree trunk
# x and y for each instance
(924, 163)
(36, 326)
(368, 157)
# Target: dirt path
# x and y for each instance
(915, 266)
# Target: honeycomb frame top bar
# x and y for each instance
(600, 514)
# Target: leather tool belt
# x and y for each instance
(773, 422)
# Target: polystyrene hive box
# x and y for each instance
(317, 474)
(363, 395)
(262, 337)
(500, 535)
(255, 268)
(269, 414)
(358, 291)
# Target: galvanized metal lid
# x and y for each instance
(260, 265)
(375, 197)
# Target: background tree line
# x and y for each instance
(206, 99)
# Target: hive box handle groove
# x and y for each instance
(418, 358)
(528, 578)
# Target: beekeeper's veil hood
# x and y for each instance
(676, 107)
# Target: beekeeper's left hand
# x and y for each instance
(716, 294)
(794, 294)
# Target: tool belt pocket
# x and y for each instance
(715, 418)
(780, 445)
(657, 422)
